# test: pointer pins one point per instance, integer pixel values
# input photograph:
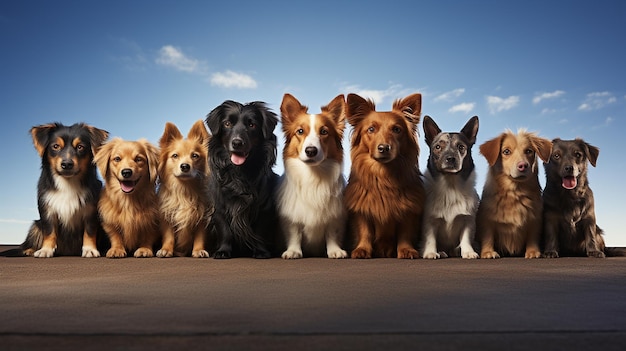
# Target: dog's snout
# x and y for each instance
(522, 166)
(237, 143)
(384, 148)
(67, 164)
(450, 160)
(569, 169)
(127, 172)
(185, 167)
(310, 151)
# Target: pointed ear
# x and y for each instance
(103, 155)
(543, 147)
(592, 152)
(170, 133)
(291, 107)
(431, 129)
(410, 107)
(40, 135)
(199, 132)
(491, 149)
(358, 108)
(337, 110)
(97, 136)
(470, 130)
(152, 153)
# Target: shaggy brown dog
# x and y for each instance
(510, 211)
(128, 206)
(385, 194)
(183, 191)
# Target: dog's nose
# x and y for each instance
(522, 166)
(569, 169)
(185, 167)
(237, 143)
(127, 172)
(450, 160)
(382, 148)
(69, 164)
(310, 151)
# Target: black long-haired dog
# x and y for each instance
(242, 152)
(67, 192)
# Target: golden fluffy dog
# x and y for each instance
(385, 194)
(183, 191)
(128, 205)
(509, 218)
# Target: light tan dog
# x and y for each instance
(509, 218)
(183, 191)
(128, 204)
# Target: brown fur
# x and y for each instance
(385, 194)
(569, 214)
(130, 219)
(509, 217)
(183, 191)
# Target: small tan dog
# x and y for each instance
(509, 217)
(183, 191)
(128, 204)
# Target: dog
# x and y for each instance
(509, 217)
(310, 194)
(451, 197)
(128, 206)
(183, 191)
(67, 191)
(569, 215)
(242, 153)
(384, 196)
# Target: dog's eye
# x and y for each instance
(437, 147)
(461, 148)
(174, 156)
(56, 147)
(506, 152)
(195, 155)
(371, 129)
(396, 129)
(323, 131)
(578, 154)
(556, 157)
(117, 159)
(138, 159)
(80, 147)
(227, 124)
(300, 131)
(251, 125)
(529, 151)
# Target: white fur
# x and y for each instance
(312, 139)
(66, 200)
(447, 197)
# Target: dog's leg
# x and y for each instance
(551, 235)
(429, 249)
(532, 241)
(48, 246)
(293, 233)
(408, 230)
(89, 245)
(487, 244)
(198, 250)
(334, 237)
(363, 234)
(117, 249)
(466, 226)
(467, 251)
(169, 240)
(593, 247)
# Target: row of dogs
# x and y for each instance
(216, 195)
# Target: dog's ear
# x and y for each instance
(431, 129)
(152, 153)
(290, 107)
(170, 133)
(592, 151)
(41, 134)
(542, 146)
(358, 108)
(199, 133)
(214, 118)
(102, 156)
(410, 107)
(470, 130)
(97, 136)
(491, 149)
(270, 119)
(337, 111)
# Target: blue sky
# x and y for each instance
(554, 67)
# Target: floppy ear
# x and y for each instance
(214, 118)
(337, 110)
(542, 146)
(290, 107)
(470, 130)
(592, 152)
(270, 119)
(40, 135)
(152, 153)
(491, 149)
(102, 156)
(199, 133)
(431, 129)
(410, 107)
(358, 108)
(97, 136)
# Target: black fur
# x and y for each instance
(245, 218)
(78, 173)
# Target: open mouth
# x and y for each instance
(128, 186)
(569, 182)
(238, 158)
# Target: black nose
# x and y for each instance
(310, 151)
(450, 160)
(67, 164)
(236, 143)
(185, 167)
(127, 172)
(568, 169)
(382, 148)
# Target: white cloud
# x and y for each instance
(555, 94)
(394, 91)
(498, 104)
(230, 79)
(450, 95)
(597, 100)
(175, 58)
(463, 107)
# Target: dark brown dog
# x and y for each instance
(569, 216)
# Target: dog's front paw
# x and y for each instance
(470, 255)
(291, 254)
(44, 252)
(532, 254)
(115, 252)
(361, 253)
(164, 253)
(551, 254)
(408, 253)
(199, 254)
(90, 251)
(337, 254)
(596, 254)
(431, 255)
(489, 254)
(222, 255)
(143, 252)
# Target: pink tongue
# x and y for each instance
(569, 182)
(127, 186)
(237, 159)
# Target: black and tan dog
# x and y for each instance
(569, 216)
(67, 191)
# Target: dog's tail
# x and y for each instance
(34, 239)
(615, 251)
